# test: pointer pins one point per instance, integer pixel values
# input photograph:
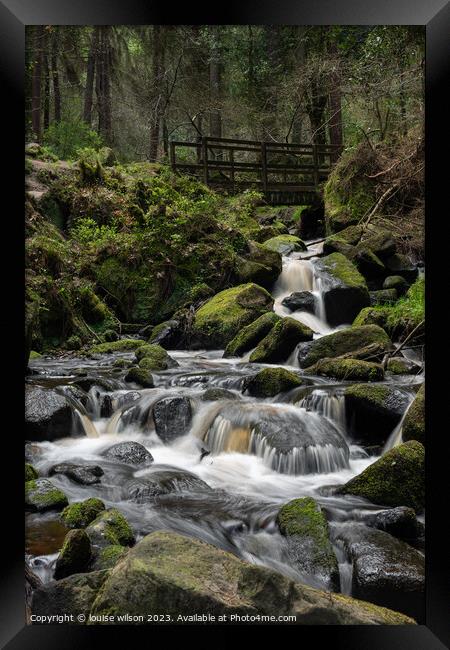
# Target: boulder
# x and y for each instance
(167, 573)
(48, 414)
(140, 376)
(377, 241)
(251, 335)
(30, 472)
(271, 381)
(386, 571)
(414, 423)
(168, 335)
(82, 513)
(344, 289)
(130, 453)
(41, 494)
(285, 244)
(395, 479)
(83, 474)
(382, 297)
(172, 417)
(373, 316)
(367, 263)
(261, 265)
(347, 369)
(399, 264)
(154, 357)
(310, 550)
(346, 341)
(300, 301)
(219, 320)
(401, 366)
(110, 528)
(122, 345)
(216, 394)
(374, 411)
(397, 283)
(74, 556)
(400, 522)
(108, 557)
(163, 481)
(281, 341)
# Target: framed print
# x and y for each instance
(230, 231)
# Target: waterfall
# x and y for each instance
(395, 439)
(330, 404)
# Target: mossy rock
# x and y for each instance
(122, 345)
(217, 394)
(30, 472)
(285, 244)
(396, 479)
(414, 423)
(154, 357)
(399, 264)
(74, 343)
(109, 336)
(367, 263)
(383, 297)
(108, 557)
(401, 366)
(281, 341)
(345, 341)
(75, 554)
(41, 494)
(218, 321)
(251, 335)
(372, 316)
(35, 355)
(140, 376)
(347, 369)
(260, 265)
(345, 289)
(169, 334)
(374, 411)
(306, 528)
(82, 513)
(272, 381)
(348, 237)
(122, 363)
(110, 528)
(396, 282)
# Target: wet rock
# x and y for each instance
(30, 472)
(130, 453)
(106, 406)
(73, 595)
(396, 282)
(110, 528)
(345, 290)
(300, 301)
(367, 263)
(48, 414)
(172, 417)
(381, 297)
(271, 381)
(108, 557)
(285, 244)
(83, 474)
(260, 265)
(86, 383)
(168, 335)
(164, 481)
(395, 479)
(251, 335)
(280, 341)
(369, 339)
(173, 574)
(41, 494)
(347, 369)
(400, 522)
(218, 321)
(399, 264)
(74, 556)
(122, 363)
(154, 357)
(401, 366)
(414, 424)
(216, 394)
(140, 376)
(305, 526)
(77, 393)
(81, 514)
(374, 411)
(386, 571)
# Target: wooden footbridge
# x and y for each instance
(285, 173)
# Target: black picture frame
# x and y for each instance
(14, 15)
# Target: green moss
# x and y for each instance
(343, 269)
(73, 342)
(250, 335)
(140, 376)
(110, 528)
(383, 297)
(74, 555)
(110, 556)
(122, 363)
(35, 355)
(220, 319)
(347, 369)
(399, 366)
(123, 345)
(372, 316)
(152, 357)
(349, 341)
(278, 344)
(284, 244)
(30, 472)
(396, 479)
(375, 395)
(41, 494)
(414, 423)
(396, 282)
(80, 514)
(272, 381)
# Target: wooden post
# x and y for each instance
(205, 160)
(173, 162)
(264, 166)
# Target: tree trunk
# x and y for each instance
(215, 84)
(103, 86)
(90, 75)
(157, 75)
(46, 76)
(270, 108)
(335, 103)
(36, 83)
(55, 77)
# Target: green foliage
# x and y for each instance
(67, 137)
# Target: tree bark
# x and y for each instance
(103, 86)
(335, 102)
(157, 75)
(215, 84)
(46, 77)
(36, 83)
(270, 130)
(90, 76)
(55, 77)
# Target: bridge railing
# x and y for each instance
(268, 166)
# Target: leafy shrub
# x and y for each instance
(65, 138)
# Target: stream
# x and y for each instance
(248, 480)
